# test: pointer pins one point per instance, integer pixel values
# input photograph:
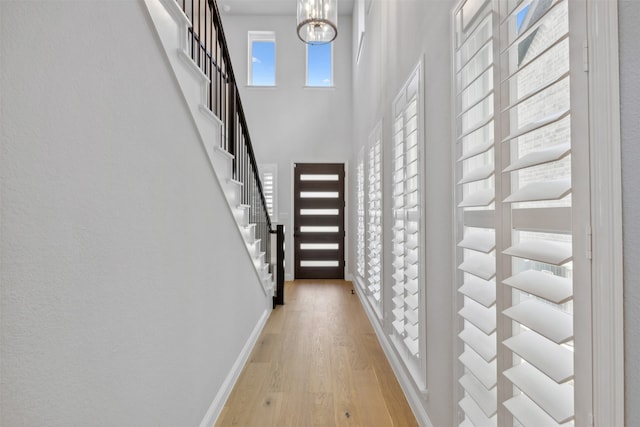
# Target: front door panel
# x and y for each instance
(319, 221)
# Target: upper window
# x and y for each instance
(320, 65)
(262, 58)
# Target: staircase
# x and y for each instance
(192, 37)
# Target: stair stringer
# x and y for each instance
(172, 26)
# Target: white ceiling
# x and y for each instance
(271, 7)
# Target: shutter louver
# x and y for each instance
(475, 416)
(536, 350)
(557, 290)
(546, 251)
(540, 157)
(479, 290)
(553, 398)
(549, 322)
(484, 371)
(481, 317)
(478, 341)
(529, 414)
(480, 240)
(480, 265)
(485, 399)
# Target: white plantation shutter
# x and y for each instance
(360, 230)
(407, 234)
(269, 176)
(540, 153)
(536, 54)
(476, 236)
(374, 223)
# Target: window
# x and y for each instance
(262, 58)
(522, 214)
(269, 174)
(320, 65)
(407, 284)
(374, 222)
(476, 257)
(360, 214)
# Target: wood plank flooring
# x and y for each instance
(317, 363)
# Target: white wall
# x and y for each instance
(291, 123)
(629, 13)
(119, 305)
(398, 34)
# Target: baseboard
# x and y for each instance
(414, 396)
(360, 282)
(230, 381)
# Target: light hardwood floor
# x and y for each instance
(317, 363)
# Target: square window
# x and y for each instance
(262, 58)
(320, 65)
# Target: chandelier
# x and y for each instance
(317, 21)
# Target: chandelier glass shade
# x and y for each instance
(317, 21)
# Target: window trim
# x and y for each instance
(306, 69)
(606, 205)
(418, 372)
(261, 36)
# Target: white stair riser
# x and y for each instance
(233, 192)
(249, 234)
(222, 164)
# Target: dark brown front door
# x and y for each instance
(319, 220)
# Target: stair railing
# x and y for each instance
(208, 49)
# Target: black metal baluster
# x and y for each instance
(245, 173)
(193, 41)
(210, 50)
(246, 164)
(205, 38)
(218, 82)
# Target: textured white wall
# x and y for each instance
(119, 306)
(291, 123)
(629, 22)
(398, 34)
